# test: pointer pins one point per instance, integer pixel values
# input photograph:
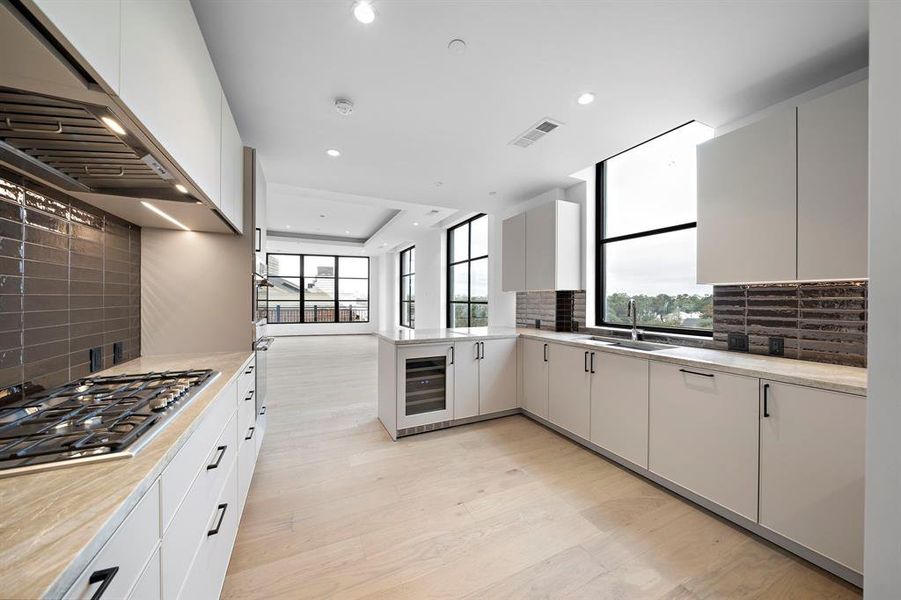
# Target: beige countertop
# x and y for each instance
(851, 380)
(52, 523)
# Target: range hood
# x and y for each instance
(68, 145)
(60, 126)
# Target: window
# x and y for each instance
(647, 231)
(467, 273)
(312, 288)
(408, 287)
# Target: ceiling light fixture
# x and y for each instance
(492, 193)
(439, 183)
(585, 98)
(181, 188)
(346, 232)
(169, 218)
(363, 12)
(456, 47)
(415, 224)
(333, 153)
(344, 106)
(113, 124)
(287, 227)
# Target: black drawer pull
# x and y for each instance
(545, 353)
(213, 465)
(453, 354)
(215, 529)
(106, 577)
(249, 370)
(585, 362)
(250, 433)
(697, 373)
(249, 395)
(592, 362)
(262, 410)
(766, 400)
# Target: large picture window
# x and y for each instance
(408, 287)
(314, 288)
(467, 273)
(647, 234)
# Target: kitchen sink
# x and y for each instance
(635, 345)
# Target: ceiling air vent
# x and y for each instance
(535, 133)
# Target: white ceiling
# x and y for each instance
(424, 115)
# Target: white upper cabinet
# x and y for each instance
(541, 248)
(513, 239)
(747, 223)
(168, 81)
(832, 185)
(93, 29)
(232, 205)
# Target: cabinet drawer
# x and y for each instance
(181, 471)
(703, 434)
(247, 378)
(186, 532)
(149, 586)
(261, 429)
(121, 561)
(207, 573)
(247, 458)
(246, 414)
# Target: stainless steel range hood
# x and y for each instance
(59, 126)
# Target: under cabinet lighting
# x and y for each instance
(113, 124)
(168, 217)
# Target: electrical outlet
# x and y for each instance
(96, 359)
(738, 342)
(118, 353)
(777, 346)
(537, 323)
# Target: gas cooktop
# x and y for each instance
(95, 418)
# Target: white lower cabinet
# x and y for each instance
(149, 585)
(569, 389)
(703, 434)
(812, 469)
(497, 376)
(535, 376)
(122, 560)
(207, 572)
(466, 379)
(619, 406)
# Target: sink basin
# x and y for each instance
(635, 345)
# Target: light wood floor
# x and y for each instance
(499, 509)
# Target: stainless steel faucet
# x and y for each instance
(632, 311)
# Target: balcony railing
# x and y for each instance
(315, 314)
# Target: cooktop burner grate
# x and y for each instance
(92, 418)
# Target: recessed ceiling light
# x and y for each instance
(586, 98)
(169, 218)
(346, 232)
(181, 188)
(113, 124)
(363, 12)
(333, 153)
(287, 227)
(415, 224)
(456, 47)
(439, 183)
(492, 193)
(322, 216)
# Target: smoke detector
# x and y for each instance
(344, 106)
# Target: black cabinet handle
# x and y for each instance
(545, 353)
(766, 400)
(249, 370)
(215, 529)
(482, 348)
(249, 395)
(697, 373)
(585, 362)
(213, 465)
(478, 356)
(452, 355)
(592, 362)
(249, 433)
(262, 410)
(104, 577)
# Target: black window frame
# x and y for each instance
(337, 278)
(450, 264)
(600, 274)
(412, 323)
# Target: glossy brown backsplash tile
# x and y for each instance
(69, 281)
(822, 322)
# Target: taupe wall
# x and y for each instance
(195, 292)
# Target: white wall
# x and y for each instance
(292, 246)
(431, 279)
(882, 554)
